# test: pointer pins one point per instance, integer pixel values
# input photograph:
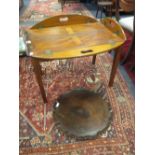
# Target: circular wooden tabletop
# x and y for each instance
(82, 113)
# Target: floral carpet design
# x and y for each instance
(41, 9)
(59, 77)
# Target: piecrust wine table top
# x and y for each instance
(69, 36)
(82, 113)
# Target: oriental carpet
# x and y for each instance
(38, 10)
(59, 77)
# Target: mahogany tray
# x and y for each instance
(82, 113)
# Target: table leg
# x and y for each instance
(117, 15)
(97, 11)
(37, 71)
(94, 59)
(114, 66)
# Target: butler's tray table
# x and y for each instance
(70, 36)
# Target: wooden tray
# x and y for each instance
(69, 36)
(82, 113)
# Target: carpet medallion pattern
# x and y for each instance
(59, 77)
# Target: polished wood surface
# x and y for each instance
(82, 113)
(127, 5)
(73, 40)
(62, 20)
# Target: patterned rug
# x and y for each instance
(59, 77)
(41, 9)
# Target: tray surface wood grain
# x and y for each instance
(75, 40)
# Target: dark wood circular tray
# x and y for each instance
(82, 113)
